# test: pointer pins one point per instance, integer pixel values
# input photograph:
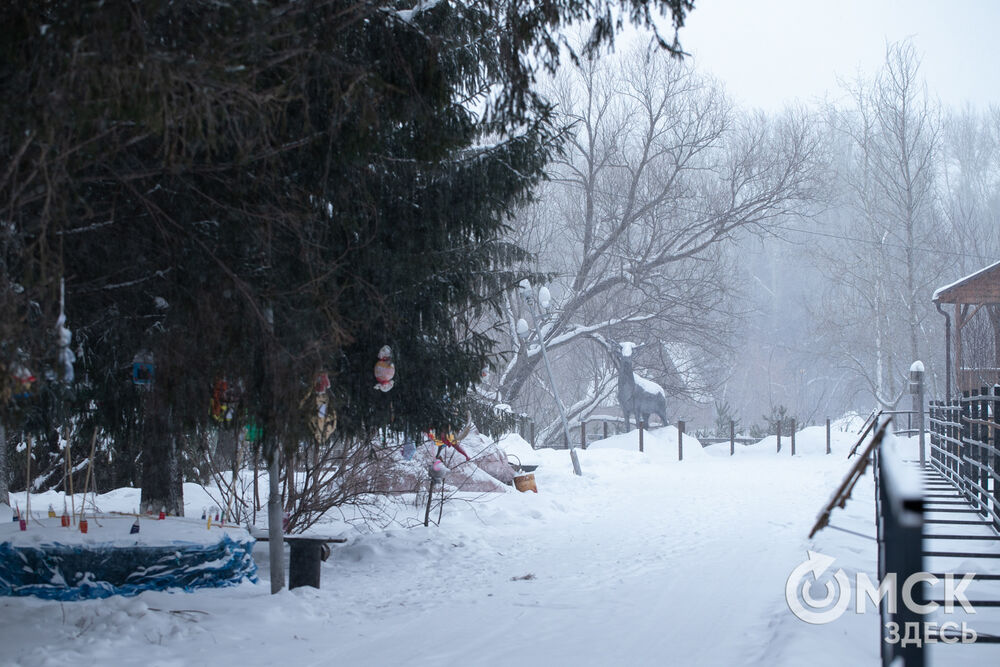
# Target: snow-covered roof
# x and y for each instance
(983, 286)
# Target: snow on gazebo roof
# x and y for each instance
(983, 286)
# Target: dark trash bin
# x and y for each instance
(304, 560)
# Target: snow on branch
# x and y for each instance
(599, 391)
(581, 330)
(407, 15)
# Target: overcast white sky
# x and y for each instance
(771, 52)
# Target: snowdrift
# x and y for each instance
(659, 443)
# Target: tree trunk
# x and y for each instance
(162, 486)
(275, 531)
(4, 472)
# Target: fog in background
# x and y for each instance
(767, 220)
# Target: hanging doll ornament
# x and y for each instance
(225, 398)
(437, 471)
(324, 420)
(321, 383)
(384, 369)
(447, 440)
(23, 381)
(143, 370)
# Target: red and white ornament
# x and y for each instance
(384, 369)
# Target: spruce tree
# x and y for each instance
(254, 192)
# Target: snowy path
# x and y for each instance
(659, 569)
(643, 561)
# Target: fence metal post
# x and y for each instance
(827, 435)
(931, 418)
(732, 437)
(945, 413)
(779, 436)
(955, 420)
(900, 536)
(680, 440)
(994, 459)
(642, 427)
(965, 413)
(922, 426)
(984, 449)
(917, 392)
(793, 437)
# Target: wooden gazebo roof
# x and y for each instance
(979, 288)
(970, 295)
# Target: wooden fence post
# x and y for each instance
(779, 436)
(531, 431)
(641, 429)
(827, 435)
(680, 440)
(732, 437)
(583, 434)
(605, 429)
(793, 437)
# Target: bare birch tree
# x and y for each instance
(971, 187)
(659, 173)
(881, 273)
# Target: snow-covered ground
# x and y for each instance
(643, 561)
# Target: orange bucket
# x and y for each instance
(525, 482)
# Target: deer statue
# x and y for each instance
(637, 395)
